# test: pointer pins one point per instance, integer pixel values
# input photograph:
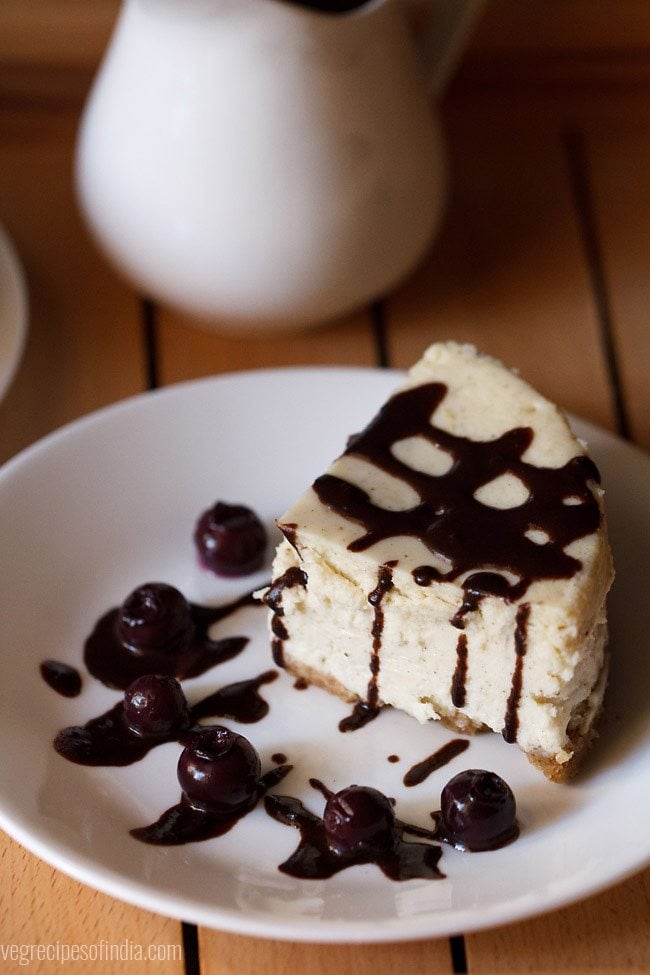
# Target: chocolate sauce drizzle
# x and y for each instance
(294, 576)
(184, 823)
(422, 770)
(365, 711)
(315, 860)
(475, 588)
(362, 714)
(460, 673)
(448, 519)
(116, 665)
(376, 599)
(511, 724)
(109, 739)
(451, 522)
(290, 532)
(62, 678)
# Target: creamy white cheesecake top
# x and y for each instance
(466, 470)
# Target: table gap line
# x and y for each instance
(378, 320)
(583, 200)
(149, 326)
(458, 954)
(191, 957)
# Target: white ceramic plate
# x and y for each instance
(109, 503)
(13, 311)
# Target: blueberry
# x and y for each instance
(231, 540)
(154, 617)
(155, 706)
(478, 811)
(219, 771)
(359, 820)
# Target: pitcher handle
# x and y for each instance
(441, 44)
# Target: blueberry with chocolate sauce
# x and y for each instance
(478, 812)
(154, 711)
(358, 826)
(157, 631)
(230, 540)
(155, 706)
(220, 775)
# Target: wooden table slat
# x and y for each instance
(188, 352)
(618, 158)
(223, 954)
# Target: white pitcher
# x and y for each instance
(260, 163)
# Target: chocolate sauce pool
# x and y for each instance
(62, 678)
(184, 823)
(315, 860)
(116, 665)
(110, 740)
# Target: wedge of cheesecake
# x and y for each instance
(453, 562)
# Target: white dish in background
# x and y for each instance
(110, 502)
(13, 311)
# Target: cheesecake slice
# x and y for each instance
(453, 562)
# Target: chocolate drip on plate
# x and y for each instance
(240, 701)
(362, 714)
(422, 770)
(62, 678)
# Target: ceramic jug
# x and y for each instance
(263, 163)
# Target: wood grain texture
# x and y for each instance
(607, 933)
(49, 49)
(507, 272)
(617, 156)
(49, 32)
(41, 906)
(84, 336)
(188, 350)
(227, 954)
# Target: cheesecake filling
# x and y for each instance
(451, 576)
(330, 620)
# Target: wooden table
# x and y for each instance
(544, 260)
